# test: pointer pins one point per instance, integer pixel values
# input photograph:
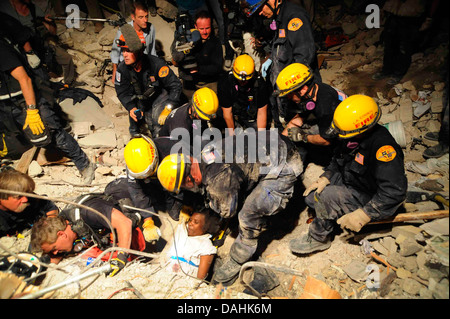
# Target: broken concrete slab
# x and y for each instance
(402, 273)
(440, 246)
(411, 286)
(423, 273)
(405, 230)
(87, 110)
(406, 110)
(437, 227)
(104, 170)
(389, 244)
(106, 138)
(427, 206)
(34, 169)
(411, 264)
(106, 35)
(441, 291)
(356, 270)
(409, 247)
(81, 128)
(396, 260)
(380, 248)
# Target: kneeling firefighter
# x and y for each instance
(252, 190)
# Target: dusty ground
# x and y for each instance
(147, 278)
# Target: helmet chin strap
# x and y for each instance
(312, 92)
(274, 10)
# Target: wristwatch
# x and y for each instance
(31, 107)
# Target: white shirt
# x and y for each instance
(189, 249)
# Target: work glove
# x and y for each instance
(34, 121)
(318, 185)
(296, 134)
(185, 214)
(265, 68)
(354, 221)
(33, 59)
(118, 263)
(163, 116)
(151, 232)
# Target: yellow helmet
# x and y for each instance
(141, 157)
(172, 171)
(355, 115)
(205, 103)
(293, 77)
(243, 67)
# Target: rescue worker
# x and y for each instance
(17, 212)
(308, 99)
(244, 96)
(205, 58)
(44, 41)
(145, 30)
(268, 183)
(192, 119)
(20, 35)
(365, 181)
(293, 42)
(145, 85)
(76, 229)
(142, 155)
(24, 111)
(404, 27)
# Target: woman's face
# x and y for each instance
(195, 225)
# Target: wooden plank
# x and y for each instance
(25, 160)
(414, 216)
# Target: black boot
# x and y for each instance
(239, 254)
(436, 151)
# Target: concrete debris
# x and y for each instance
(421, 267)
(409, 247)
(436, 227)
(81, 128)
(430, 166)
(87, 110)
(356, 270)
(417, 253)
(105, 138)
(34, 170)
(411, 286)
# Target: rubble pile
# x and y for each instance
(412, 262)
(407, 260)
(89, 51)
